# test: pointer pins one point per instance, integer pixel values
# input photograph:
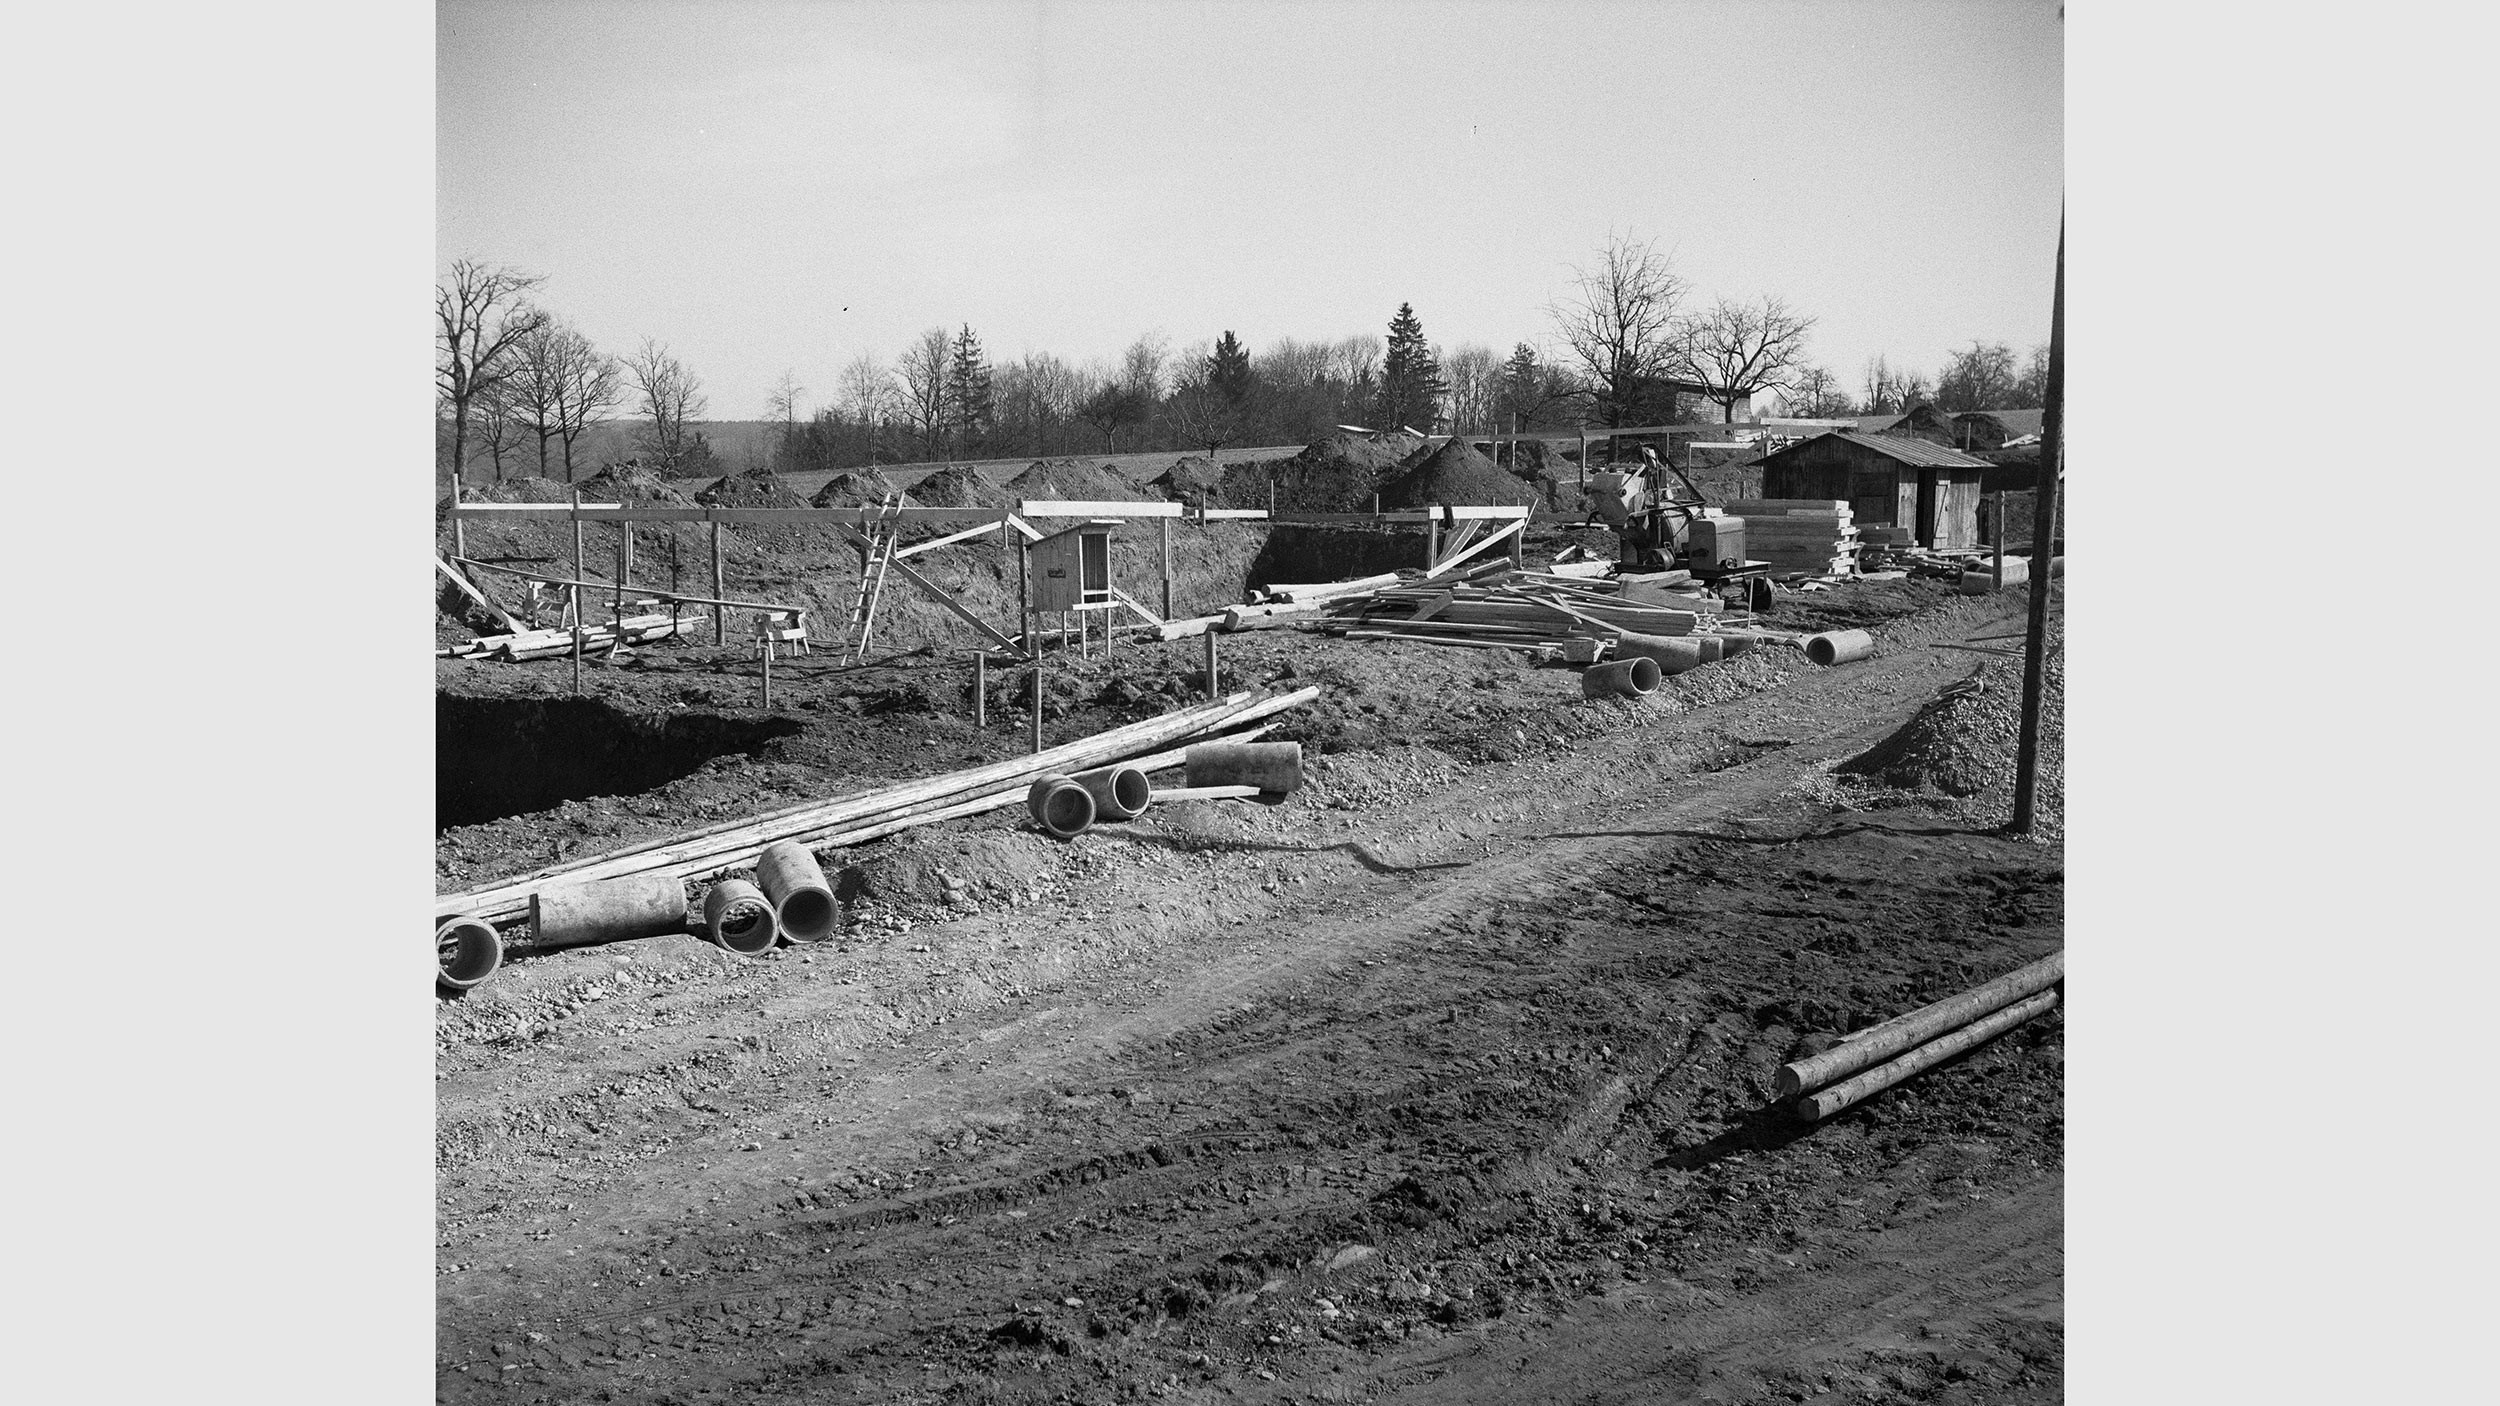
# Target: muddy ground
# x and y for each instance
(1444, 1080)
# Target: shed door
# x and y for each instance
(1927, 507)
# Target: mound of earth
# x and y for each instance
(527, 489)
(864, 489)
(1963, 746)
(1070, 479)
(1455, 473)
(1189, 480)
(960, 486)
(1337, 474)
(759, 489)
(629, 481)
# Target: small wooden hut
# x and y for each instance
(1889, 481)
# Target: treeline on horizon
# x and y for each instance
(519, 387)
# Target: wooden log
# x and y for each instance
(1239, 617)
(1881, 1042)
(1817, 1106)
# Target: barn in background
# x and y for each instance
(1889, 481)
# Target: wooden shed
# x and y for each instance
(1889, 481)
(1072, 568)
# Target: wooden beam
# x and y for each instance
(949, 539)
(785, 517)
(652, 591)
(1047, 507)
(1124, 598)
(1501, 534)
(477, 595)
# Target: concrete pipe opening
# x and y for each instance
(802, 901)
(1119, 792)
(739, 918)
(1622, 678)
(1060, 805)
(1839, 646)
(466, 952)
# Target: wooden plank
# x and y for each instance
(1143, 613)
(948, 540)
(1502, 534)
(1052, 507)
(473, 593)
(788, 517)
(1229, 514)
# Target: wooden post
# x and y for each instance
(578, 578)
(1432, 538)
(1584, 459)
(720, 623)
(1032, 634)
(1033, 630)
(2043, 545)
(1519, 546)
(459, 526)
(981, 688)
(766, 641)
(1212, 687)
(1996, 534)
(1165, 524)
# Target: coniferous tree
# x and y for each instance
(1411, 385)
(970, 404)
(1228, 370)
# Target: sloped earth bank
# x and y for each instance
(1444, 1081)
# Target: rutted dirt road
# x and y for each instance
(1438, 1082)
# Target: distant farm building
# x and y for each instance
(1918, 422)
(1995, 429)
(1889, 480)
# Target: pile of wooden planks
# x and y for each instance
(1545, 616)
(547, 644)
(1813, 535)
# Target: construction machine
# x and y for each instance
(1658, 529)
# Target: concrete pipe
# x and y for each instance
(607, 910)
(739, 918)
(1271, 766)
(1673, 653)
(1060, 805)
(1839, 646)
(466, 952)
(1979, 581)
(1624, 678)
(1733, 645)
(1120, 792)
(1713, 649)
(802, 901)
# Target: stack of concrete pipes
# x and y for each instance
(1641, 661)
(788, 898)
(1880, 1056)
(1068, 805)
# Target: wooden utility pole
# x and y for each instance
(2043, 545)
(578, 578)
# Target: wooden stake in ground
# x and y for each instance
(1996, 505)
(2043, 550)
(765, 642)
(1209, 637)
(1165, 524)
(720, 623)
(981, 688)
(460, 533)
(1033, 633)
(577, 593)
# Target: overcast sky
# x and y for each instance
(785, 185)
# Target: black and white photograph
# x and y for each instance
(1275, 703)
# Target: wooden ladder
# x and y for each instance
(875, 560)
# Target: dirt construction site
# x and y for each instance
(1461, 1065)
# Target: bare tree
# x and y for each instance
(1475, 377)
(2031, 388)
(922, 369)
(1890, 392)
(1292, 362)
(562, 386)
(1741, 349)
(1142, 367)
(481, 317)
(1357, 359)
(671, 399)
(1979, 377)
(1620, 325)
(1815, 394)
(865, 394)
(500, 422)
(782, 402)
(1532, 385)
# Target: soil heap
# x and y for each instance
(1963, 747)
(864, 489)
(1070, 479)
(1188, 480)
(1337, 474)
(757, 489)
(529, 488)
(960, 486)
(1455, 473)
(629, 481)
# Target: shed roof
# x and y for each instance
(1917, 453)
(2014, 422)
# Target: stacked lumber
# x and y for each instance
(867, 815)
(1880, 1056)
(546, 644)
(1813, 535)
(1548, 617)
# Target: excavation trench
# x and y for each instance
(495, 757)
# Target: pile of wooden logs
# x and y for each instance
(1544, 616)
(869, 815)
(1813, 535)
(547, 644)
(1880, 1056)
